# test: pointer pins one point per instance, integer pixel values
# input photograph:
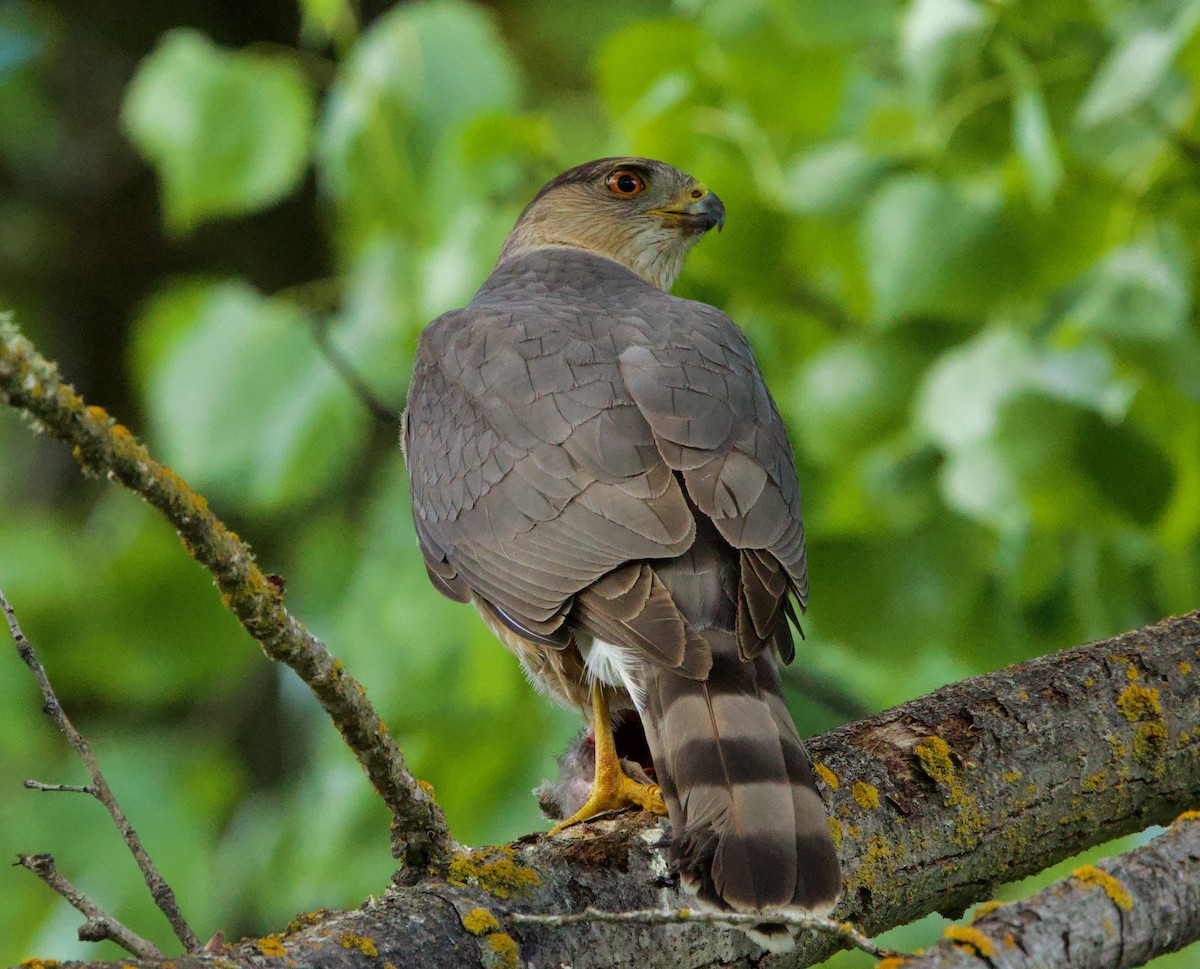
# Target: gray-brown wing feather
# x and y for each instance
(550, 426)
(544, 433)
(534, 478)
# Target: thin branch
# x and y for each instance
(31, 383)
(68, 788)
(844, 932)
(99, 925)
(1115, 915)
(825, 691)
(352, 378)
(164, 896)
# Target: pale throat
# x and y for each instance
(645, 246)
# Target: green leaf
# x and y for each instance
(1032, 133)
(329, 20)
(227, 132)
(415, 80)
(935, 33)
(831, 178)
(21, 38)
(929, 247)
(960, 403)
(849, 395)
(241, 402)
(1128, 76)
(1137, 292)
(1127, 469)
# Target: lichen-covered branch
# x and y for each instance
(934, 802)
(843, 932)
(32, 384)
(160, 891)
(99, 925)
(1115, 915)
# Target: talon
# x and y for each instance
(612, 788)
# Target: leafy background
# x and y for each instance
(962, 238)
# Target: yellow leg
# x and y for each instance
(612, 788)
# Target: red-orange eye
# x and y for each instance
(625, 182)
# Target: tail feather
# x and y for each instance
(751, 830)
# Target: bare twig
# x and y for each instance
(68, 788)
(163, 895)
(353, 379)
(31, 383)
(827, 692)
(1115, 915)
(842, 931)
(99, 925)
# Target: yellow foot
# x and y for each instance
(623, 792)
(612, 788)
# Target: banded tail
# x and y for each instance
(750, 830)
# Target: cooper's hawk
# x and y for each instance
(598, 467)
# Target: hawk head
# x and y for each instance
(642, 213)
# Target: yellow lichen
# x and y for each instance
(891, 962)
(1010, 775)
(271, 946)
(1150, 744)
(479, 921)
(828, 776)
(306, 919)
(934, 756)
(1188, 816)
(495, 870)
(40, 963)
(1137, 703)
(984, 909)
(1090, 875)
(1093, 782)
(1131, 674)
(1010, 941)
(1185, 667)
(1109, 928)
(866, 875)
(427, 788)
(364, 944)
(835, 831)
(504, 950)
(969, 938)
(866, 795)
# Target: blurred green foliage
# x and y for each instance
(962, 238)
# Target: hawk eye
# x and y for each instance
(625, 182)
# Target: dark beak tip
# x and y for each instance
(717, 209)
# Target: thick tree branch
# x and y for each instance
(31, 383)
(1116, 915)
(162, 893)
(936, 802)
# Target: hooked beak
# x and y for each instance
(699, 215)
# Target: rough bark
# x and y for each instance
(935, 802)
(1115, 915)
